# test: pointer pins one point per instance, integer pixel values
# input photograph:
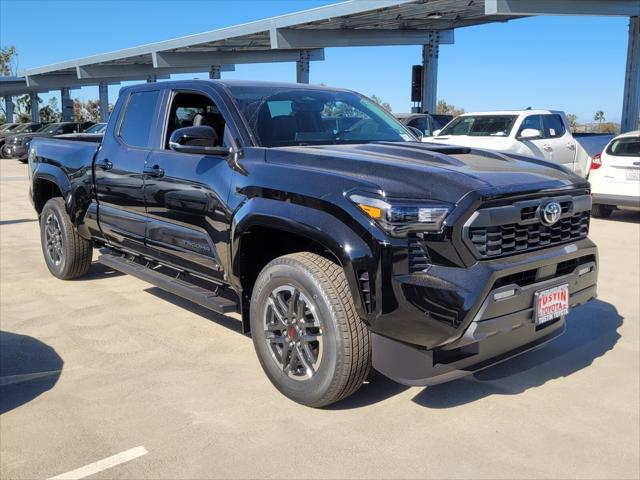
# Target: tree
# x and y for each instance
(8, 61)
(50, 112)
(23, 108)
(599, 116)
(573, 121)
(382, 103)
(86, 111)
(445, 108)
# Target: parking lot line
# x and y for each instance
(103, 464)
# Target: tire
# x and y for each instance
(66, 253)
(601, 211)
(331, 348)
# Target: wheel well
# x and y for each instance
(260, 245)
(43, 191)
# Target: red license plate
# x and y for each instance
(551, 304)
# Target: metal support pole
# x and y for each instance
(214, 72)
(631, 98)
(35, 107)
(430, 52)
(8, 108)
(152, 79)
(66, 105)
(302, 67)
(103, 95)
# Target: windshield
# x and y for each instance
(23, 127)
(97, 128)
(283, 116)
(481, 126)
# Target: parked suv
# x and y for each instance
(341, 247)
(17, 144)
(426, 123)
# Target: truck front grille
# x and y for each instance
(506, 230)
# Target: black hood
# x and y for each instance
(416, 170)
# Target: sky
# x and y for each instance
(575, 64)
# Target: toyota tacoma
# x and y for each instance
(342, 241)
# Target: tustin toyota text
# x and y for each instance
(343, 242)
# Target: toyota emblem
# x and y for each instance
(550, 213)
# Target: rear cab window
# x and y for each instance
(139, 116)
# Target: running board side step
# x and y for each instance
(181, 288)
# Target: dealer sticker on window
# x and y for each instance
(551, 303)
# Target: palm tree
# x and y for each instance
(599, 116)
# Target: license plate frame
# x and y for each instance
(551, 303)
(632, 174)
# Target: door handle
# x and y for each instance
(547, 147)
(104, 164)
(571, 146)
(153, 171)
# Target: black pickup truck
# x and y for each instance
(342, 241)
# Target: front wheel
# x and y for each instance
(310, 342)
(66, 253)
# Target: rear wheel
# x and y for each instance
(66, 253)
(601, 211)
(308, 338)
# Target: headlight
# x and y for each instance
(399, 216)
(32, 155)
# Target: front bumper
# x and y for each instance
(448, 323)
(15, 151)
(616, 200)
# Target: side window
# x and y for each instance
(421, 124)
(532, 121)
(195, 110)
(553, 126)
(71, 128)
(138, 117)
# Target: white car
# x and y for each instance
(615, 176)
(541, 134)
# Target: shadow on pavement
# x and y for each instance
(28, 368)
(591, 332)
(625, 216)
(222, 320)
(98, 271)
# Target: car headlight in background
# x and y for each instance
(399, 216)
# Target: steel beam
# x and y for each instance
(139, 70)
(66, 105)
(307, 38)
(302, 67)
(562, 7)
(631, 97)
(430, 53)
(214, 72)
(45, 83)
(191, 59)
(8, 108)
(35, 107)
(103, 95)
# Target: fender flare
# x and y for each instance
(55, 175)
(351, 250)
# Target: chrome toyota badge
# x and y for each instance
(550, 213)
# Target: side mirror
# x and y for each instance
(436, 133)
(200, 140)
(529, 134)
(417, 132)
